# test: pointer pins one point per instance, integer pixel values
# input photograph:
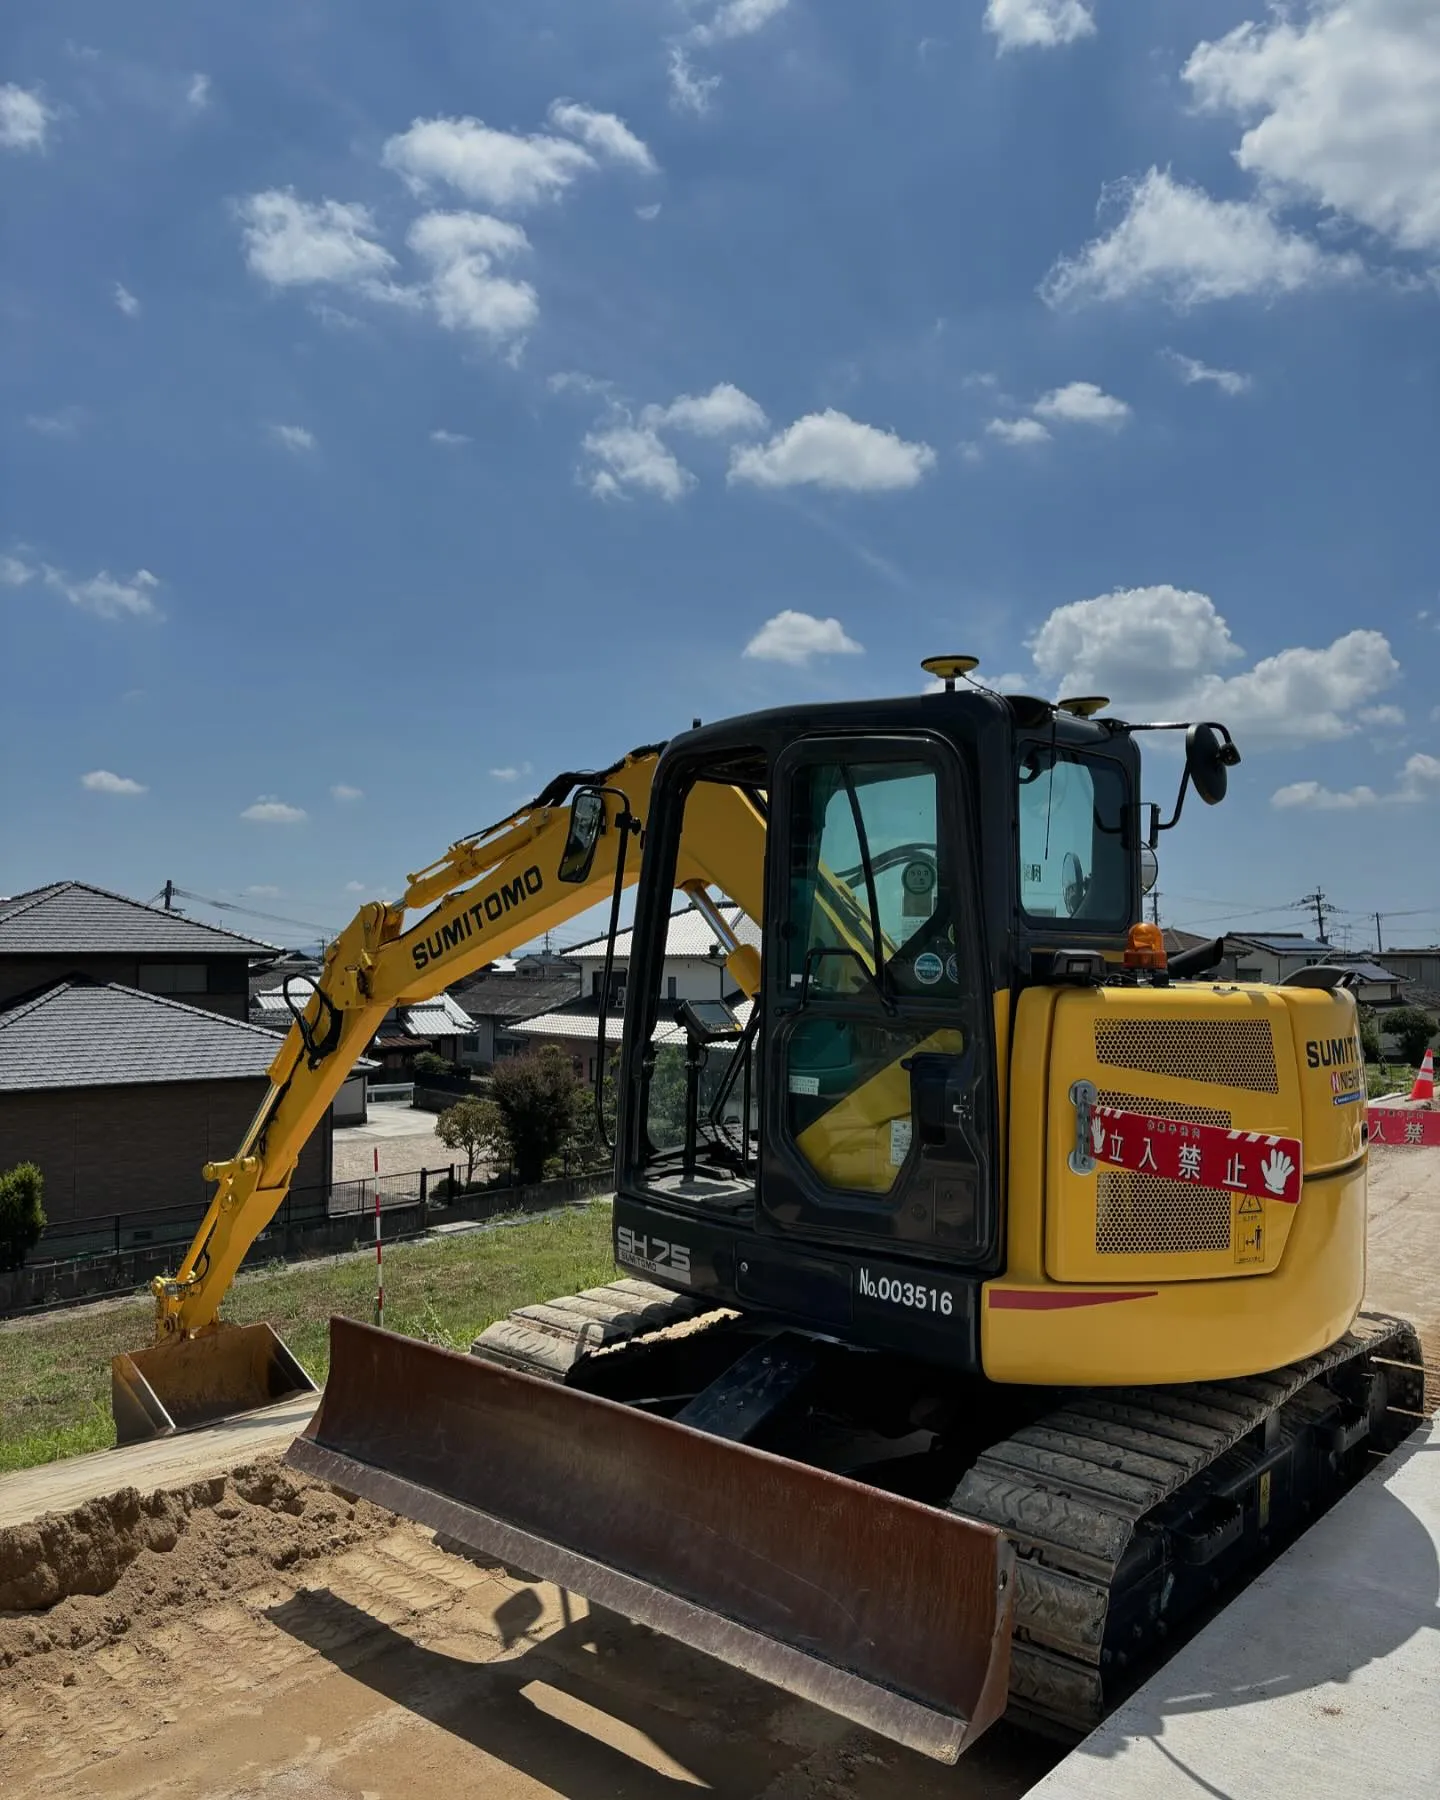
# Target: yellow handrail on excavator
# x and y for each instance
(485, 896)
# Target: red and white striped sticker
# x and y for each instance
(1244, 1162)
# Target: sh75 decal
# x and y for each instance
(652, 1253)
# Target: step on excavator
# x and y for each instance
(990, 1283)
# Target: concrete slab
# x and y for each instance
(162, 1463)
(1322, 1679)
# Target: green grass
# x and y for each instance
(55, 1370)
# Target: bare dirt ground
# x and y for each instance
(257, 1635)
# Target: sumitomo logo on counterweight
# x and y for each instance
(488, 909)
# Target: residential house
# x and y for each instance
(499, 999)
(122, 1096)
(1269, 956)
(72, 927)
(438, 1025)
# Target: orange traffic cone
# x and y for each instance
(1424, 1088)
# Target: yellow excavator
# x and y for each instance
(990, 1282)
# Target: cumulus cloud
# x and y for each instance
(724, 411)
(267, 810)
(15, 573)
(1081, 403)
(105, 781)
(1174, 242)
(462, 250)
(25, 119)
(452, 440)
(499, 168)
(1417, 782)
(1161, 651)
(106, 596)
(831, 450)
(689, 92)
(1342, 107)
(1037, 24)
(291, 242)
(1192, 372)
(62, 424)
(795, 637)
(294, 437)
(1018, 431)
(125, 300)
(511, 772)
(342, 792)
(737, 18)
(604, 133)
(626, 456)
(1385, 718)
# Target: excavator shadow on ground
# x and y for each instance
(602, 1706)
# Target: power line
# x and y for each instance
(253, 912)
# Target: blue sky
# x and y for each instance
(401, 404)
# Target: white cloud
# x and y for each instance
(107, 596)
(737, 18)
(62, 424)
(647, 213)
(723, 410)
(602, 132)
(450, 439)
(267, 810)
(511, 772)
(1037, 24)
(1175, 242)
(103, 781)
(462, 250)
(794, 637)
(25, 119)
(125, 300)
(1385, 717)
(500, 168)
(1345, 104)
(291, 242)
(1159, 651)
(1417, 782)
(1017, 431)
(1082, 403)
(197, 92)
(14, 573)
(689, 92)
(831, 450)
(1192, 371)
(632, 456)
(355, 887)
(344, 793)
(294, 437)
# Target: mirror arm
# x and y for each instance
(1174, 819)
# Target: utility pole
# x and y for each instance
(1379, 947)
(169, 896)
(1154, 906)
(1322, 906)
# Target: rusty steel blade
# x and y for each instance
(890, 1613)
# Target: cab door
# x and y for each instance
(879, 1073)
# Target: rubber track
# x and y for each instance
(1071, 1490)
(549, 1339)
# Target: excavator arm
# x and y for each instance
(486, 895)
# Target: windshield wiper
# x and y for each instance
(878, 975)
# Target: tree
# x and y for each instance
(539, 1099)
(22, 1213)
(1415, 1030)
(1370, 1036)
(428, 1063)
(474, 1126)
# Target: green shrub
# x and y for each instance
(1415, 1030)
(22, 1213)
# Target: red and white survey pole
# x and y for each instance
(379, 1259)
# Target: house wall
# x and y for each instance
(695, 978)
(1421, 966)
(106, 1150)
(477, 1051)
(218, 983)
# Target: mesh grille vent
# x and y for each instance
(1142, 1215)
(1230, 1052)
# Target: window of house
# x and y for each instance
(1248, 974)
(172, 978)
(670, 987)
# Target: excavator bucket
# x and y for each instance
(186, 1382)
(893, 1614)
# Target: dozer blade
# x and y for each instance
(186, 1382)
(893, 1614)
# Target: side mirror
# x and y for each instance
(1149, 868)
(587, 822)
(1210, 754)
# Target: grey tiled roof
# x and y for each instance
(99, 1034)
(687, 935)
(513, 996)
(73, 918)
